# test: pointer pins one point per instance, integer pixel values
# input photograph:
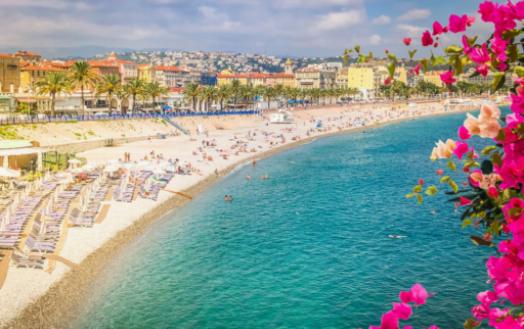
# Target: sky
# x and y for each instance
(274, 27)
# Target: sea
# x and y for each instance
(327, 241)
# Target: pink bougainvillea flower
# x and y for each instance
(493, 192)
(417, 294)
(464, 201)
(440, 172)
(421, 181)
(407, 41)
(479, 55)
(482, 69)
(416, 69)
(433, 327)
(460, 149)
(389, 321)
(402, 310)
(486, 10)
(458, 23)
(486, 125)
(437, 28)
(489, 111)
(388, 81)
(448, 78)
(426, 39)
(463, 133)
(465, 44)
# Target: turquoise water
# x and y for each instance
(308, 248)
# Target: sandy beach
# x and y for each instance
(33, 298)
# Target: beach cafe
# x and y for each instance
(18, 154)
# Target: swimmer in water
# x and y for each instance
(228, 198)
(264, 177)
(248, 178)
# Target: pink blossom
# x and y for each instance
(402, 310)
(463, 133)
(458, 23)
(407, 41)
(464, 201)
(440, 172)
(479, 55)
(417, 294)
(433, 327)
(447, 78)
(493, 192)
(426, 39)
(437, 28)
(460, 149)
(416, 69)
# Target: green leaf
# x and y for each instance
(519, 71)
(425, 64)
(453, 185)
(488, 149)
(510, 34)
(471, 324)
(498, 81)
(445, 179)
(431, 190)
(466, 223)
(410, 195)
(417, 189)
(452, 165)
(453, 49)
(357, 49)
(496, 158)
(391, 69)
(420, 198)
(412, 53)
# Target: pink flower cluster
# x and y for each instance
(417, 295)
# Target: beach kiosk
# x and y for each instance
(16, 154)
(281, 117)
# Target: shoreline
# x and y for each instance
(57, 307)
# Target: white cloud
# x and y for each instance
(381, 20)
(317, 3)
(411, 30)
(415, 14)
(338, 20)
(375, 39)
(216, 19)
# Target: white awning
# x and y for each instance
(21, 151)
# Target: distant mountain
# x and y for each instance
(67, 52)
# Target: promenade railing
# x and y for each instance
(41, 118)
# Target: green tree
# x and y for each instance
(223, 93)
(154, 90)
(54, 83)
(83, 77)
(191, 92)
(135, 88)
(109, 85)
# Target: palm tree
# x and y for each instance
(223, 93)
(269, 93)
(121, 94)
(154, 90)
(109, 85)
(208, 95)
(235, 90)
(54, 83)
(191, 91)
(134, 88)
(82, 77)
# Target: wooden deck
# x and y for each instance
(4, 265)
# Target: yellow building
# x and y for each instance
(361, 77)
(145, 72)
(30, 74)
(9, 73)
(433, 77)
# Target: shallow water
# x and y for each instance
(308, 248)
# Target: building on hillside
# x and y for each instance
(208, 79)
(288, 66)
(9, 73)
(433, 77)
(315, 78)
(342, 78)
(368, 77)
(145, 72)
(256, 79)
(128, 69)
(105, 67)
(28, 56)
(171, 76)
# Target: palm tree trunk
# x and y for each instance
(134, 105)
(82, 98)
(53, 104)
(109, 103)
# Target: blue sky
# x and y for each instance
(279, 27)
